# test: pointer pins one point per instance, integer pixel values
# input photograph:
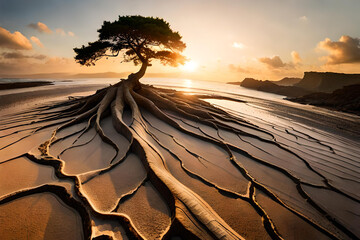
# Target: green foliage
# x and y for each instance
(139, 39)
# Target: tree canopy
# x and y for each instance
(138, 39)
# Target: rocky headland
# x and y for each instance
(337, 91)
(271, 87)
(346, 99)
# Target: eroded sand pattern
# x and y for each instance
(155, 163)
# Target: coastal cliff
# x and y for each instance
(346, 99)
(268, 86)
(327, 81)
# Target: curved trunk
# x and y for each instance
(135, 77)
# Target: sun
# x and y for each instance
(190, 66)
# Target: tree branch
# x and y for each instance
(111, 55)
(142, 59)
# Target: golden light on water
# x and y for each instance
(190, 66)
(188, 83)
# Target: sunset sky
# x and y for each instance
(226, 40)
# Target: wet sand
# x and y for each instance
(248, 169)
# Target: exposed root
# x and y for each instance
(191, 216)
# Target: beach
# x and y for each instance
(177, 159)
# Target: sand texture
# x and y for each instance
(154, 163)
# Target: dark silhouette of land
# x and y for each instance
(327, 81)
(271, 87)
(287, 81)
(337, 91)
(13, 85)
(346, 99)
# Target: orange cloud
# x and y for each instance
(40, 27)
(60, 61)
(13, 40)
(60, 31)
(346, 50)
(19, 55)
(296, 57)
(37, 41)
(16, 63)
(274, 62)
(71, 34)
(239, 69)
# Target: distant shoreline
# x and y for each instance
(15, 85)
(334, 91)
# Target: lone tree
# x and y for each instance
(141, 114)
(166, 131)
(139, 40)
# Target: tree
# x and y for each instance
(140, 114)
(139, 39)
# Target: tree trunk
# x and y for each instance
(135, 77)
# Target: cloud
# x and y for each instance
(19, 55)
(238, 45)
(37, 41)
(34, 64)
(237, 69)
(60, 61)
(60, 31)
(40, 27)
(296, 57)
(274, 62)
(346, 50)
(303, 19)
(6, 67)
(13, 40)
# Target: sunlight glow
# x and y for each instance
(187, 83)
(238, 45)
(190, 66)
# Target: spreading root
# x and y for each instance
(177, 150)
